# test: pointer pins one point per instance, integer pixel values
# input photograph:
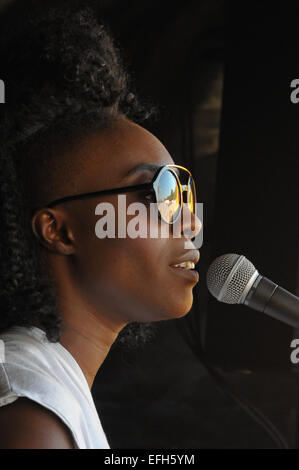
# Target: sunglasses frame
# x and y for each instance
(153, 185)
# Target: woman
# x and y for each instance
(71, 130)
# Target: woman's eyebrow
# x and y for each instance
(141, 167)
(153, 167)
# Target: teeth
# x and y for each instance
(186, 265)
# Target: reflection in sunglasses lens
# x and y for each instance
(168, 196)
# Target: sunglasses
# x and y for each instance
(170, 191)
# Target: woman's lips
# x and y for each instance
(191, 256)
(186, 273)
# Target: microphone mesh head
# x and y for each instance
(228, 276)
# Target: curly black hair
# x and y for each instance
(64, 77)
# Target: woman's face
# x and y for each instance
(131, 274)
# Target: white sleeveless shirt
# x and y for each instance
(47, 373)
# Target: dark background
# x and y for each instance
(220, 73)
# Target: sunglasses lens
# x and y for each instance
(168, 196)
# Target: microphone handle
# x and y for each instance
(267, 297)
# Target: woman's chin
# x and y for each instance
(180, 308)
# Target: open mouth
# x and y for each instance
(186, 268)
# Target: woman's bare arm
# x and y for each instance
(25, 424)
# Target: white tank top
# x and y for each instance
(47, 373)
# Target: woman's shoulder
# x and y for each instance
(34, 379)
(29, 349)
(31, 363)
(47, 375)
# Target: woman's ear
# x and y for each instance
(52, 230)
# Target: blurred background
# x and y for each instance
(220, 73)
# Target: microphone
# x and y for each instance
(233, 279)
